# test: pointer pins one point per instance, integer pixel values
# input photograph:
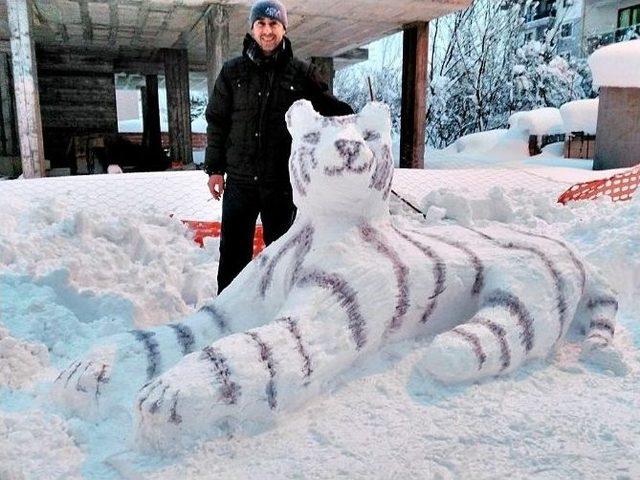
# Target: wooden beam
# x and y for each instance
(85, 17)
(217, 41)
(151, 134)
(414, 95)
(114, 22)
(25, 80)
(326, 69)
(141, 21)
(8, 134)
(176, 68)
(354, 55)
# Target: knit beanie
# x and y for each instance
(268, 9)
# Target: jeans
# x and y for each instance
(241, 204)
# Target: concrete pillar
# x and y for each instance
(25, 80)
(618, 130)
(176, 68)
(8, 136)
(151, 134)
(217, 41)
(414, 94)
(326, 69)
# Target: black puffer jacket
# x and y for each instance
(247, 134)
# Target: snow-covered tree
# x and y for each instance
(385, 77)
(480, 72)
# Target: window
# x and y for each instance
(566, 30)
(528, 37)
(629, 16)
(567, 3)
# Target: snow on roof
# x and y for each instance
(540, 121)
(617, 65)
(580, 116)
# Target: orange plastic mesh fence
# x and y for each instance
(619, 187)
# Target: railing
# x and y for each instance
(619, 35)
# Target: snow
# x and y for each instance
(83, 258)
(580, 116)
(37, 445)
(20, 362)
(199, 125)
(480, 142)
(540, 121)
(617, 65)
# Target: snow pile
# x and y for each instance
(34, 445)
(500, 145)
(479, 142)
(95, 247)
(603, 231)
(540, 121)
(608, 236)
(444, 203)
(617, 65)
(580, 116)
(379, 418)
(21, 363)
(490, 148)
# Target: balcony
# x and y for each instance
(619, 35)
(543, 10)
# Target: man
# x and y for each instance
(248, 138)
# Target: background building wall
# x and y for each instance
(77, 97)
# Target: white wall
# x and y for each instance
(601, 16)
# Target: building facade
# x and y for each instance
(581, 26)
(560, 18)
(609, 21)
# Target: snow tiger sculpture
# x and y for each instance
(344, 280)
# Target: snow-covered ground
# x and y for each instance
(75, 268)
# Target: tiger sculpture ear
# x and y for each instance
(374, 121)
(301, 117)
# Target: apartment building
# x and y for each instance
(609, 21)
(581, 26)
(562, 18)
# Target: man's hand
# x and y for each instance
(216, 186)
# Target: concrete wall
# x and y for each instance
(618, 134)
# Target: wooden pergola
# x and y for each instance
(59, 58)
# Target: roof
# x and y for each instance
(136, 29)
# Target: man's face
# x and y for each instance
(268, 33)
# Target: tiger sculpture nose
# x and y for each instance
(355, 155)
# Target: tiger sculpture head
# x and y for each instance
(340, 165)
